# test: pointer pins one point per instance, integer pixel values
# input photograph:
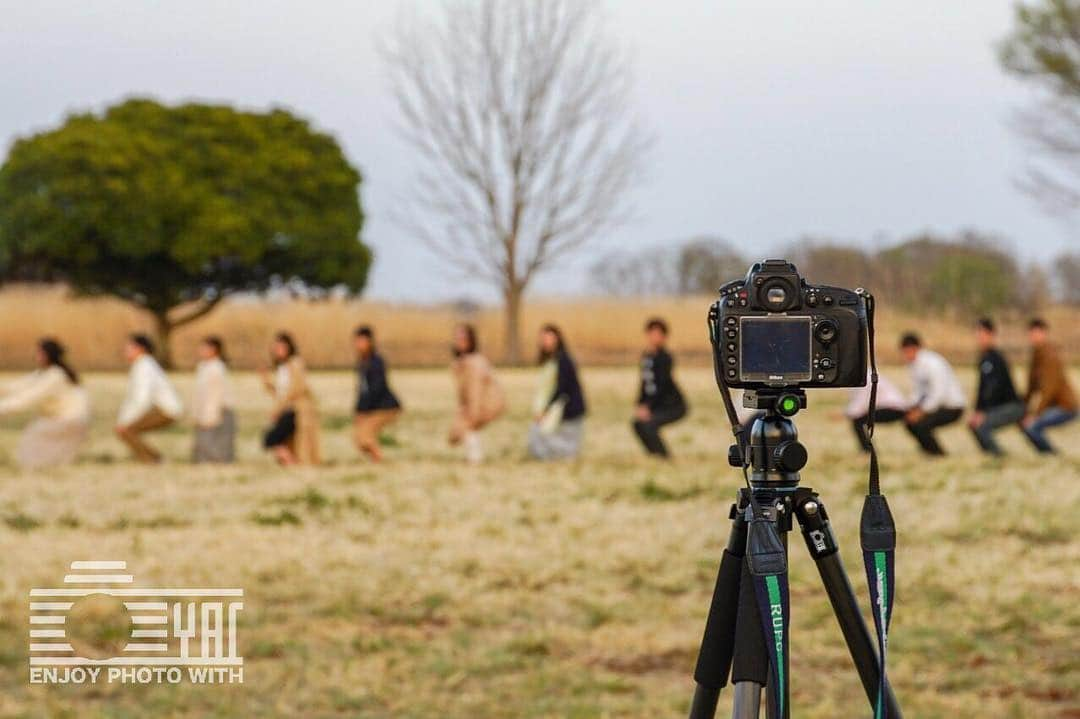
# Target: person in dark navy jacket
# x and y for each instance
(559, 407)
(376, 404)
(659, 400)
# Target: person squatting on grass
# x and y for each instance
(939, 398)
(996, 402)
(659, 400)
(891, 407)
(376, 404)
(151, 402)
(293, 436)
(1049, 383)
(559, 407)
(480, 399)
(63, 424)
(212, 407)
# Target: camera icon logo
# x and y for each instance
(99, 618)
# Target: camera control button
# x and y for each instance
(732, 334)
(811, 300)
(828, 300)
(732, 373)
(826, 363)
(731, 322)
(731, 360)
(731, 346)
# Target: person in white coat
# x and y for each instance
(151, 402)
(63, 421)
(939, 399)
(891, 406)
(212, 409)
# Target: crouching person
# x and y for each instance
(559, 409)
(480, 399)
(151, 402)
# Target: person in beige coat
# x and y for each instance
(293, 436)
(61, 428)
(480, 399)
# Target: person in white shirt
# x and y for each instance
(151, 402)
(939, 399)
(212, 409)
(891, 406)
(62, 426)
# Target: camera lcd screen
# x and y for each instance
(776, 349)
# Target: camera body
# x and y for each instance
(773, 330)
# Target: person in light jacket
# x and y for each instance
(212, 408)
(559, 408)
(891, 406)
(376, 404)
(480, 399)
(293, 437)
(151, 402)
(939, 399)
(61, 428)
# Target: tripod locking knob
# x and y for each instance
(790, 456)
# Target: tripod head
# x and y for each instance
(776, 455)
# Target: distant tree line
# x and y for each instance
(966, 274)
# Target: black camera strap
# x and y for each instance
(877, 530)
(765, 555)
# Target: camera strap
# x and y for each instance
(765, 555)
(877, 531)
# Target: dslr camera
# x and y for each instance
(773, 330)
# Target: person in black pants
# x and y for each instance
(997, 404)
(376, 404)
(659, 400)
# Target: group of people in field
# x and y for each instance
(1048, 401)
(557, 428)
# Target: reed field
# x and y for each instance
(427, 588)
(601, 331)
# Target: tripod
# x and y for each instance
(733, 642)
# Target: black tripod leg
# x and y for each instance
(826, 554)
(750, 672)
(718, 642)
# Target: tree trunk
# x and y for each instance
(163, 329)
(512, 296)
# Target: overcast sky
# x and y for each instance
(863, 121)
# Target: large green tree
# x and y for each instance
(174, 208)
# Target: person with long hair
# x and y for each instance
(559, 408)
(293, 437)
(151, 402)
(376, 404)
(212, 409)
(480, 399)
(53, 389)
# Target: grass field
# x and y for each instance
(427, 588)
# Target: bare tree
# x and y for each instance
(1044, 51)
(519, 111)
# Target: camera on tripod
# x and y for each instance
(773, 330)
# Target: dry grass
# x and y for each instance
(601, 331)
(426, 588)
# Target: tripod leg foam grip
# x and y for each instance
(751, 663)
(718, 643)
